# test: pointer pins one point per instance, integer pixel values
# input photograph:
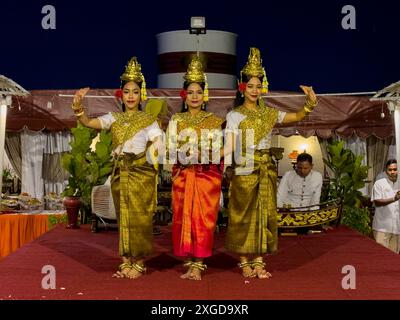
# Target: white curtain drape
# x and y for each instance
(12, 147)
(358, 146)
(32, 148)
(392, 150)
(378, 150)
(41, 162)
(55, 177)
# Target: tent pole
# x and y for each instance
(3, 117)
(396, 106)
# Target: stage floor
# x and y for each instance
(306, 267)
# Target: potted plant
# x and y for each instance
(87, 168)
(8, 179)
(349, 177)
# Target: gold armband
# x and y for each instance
(309, 106)
(79, 113)
(78, 109)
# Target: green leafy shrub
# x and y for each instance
(87, 168)
(349, 177)
(8, 174)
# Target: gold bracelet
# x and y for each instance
(76, 107)
(77, 110)
(307, 110)
(79, 113)
(311, 103)
(309, 106)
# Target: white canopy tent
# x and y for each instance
(391, 95)
(48, 111)
(8, 89)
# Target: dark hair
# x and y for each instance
(304, 157)
(186, 84)
(389, 162)
(123, 83)
(239, 100)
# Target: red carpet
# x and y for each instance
(306, 267)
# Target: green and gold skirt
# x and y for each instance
(252, 222)
(135, 194)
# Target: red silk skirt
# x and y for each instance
(196, 192)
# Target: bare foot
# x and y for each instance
(261, 273)
(248, 272)
(137, 270)
(195, 274)
(118, 274)
(186, 275)
(134, 274)
(194, 270)
(122, 272)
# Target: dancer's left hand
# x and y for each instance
(309, 92)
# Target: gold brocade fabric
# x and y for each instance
(201, 121)
(252, 227)
(126, 125)
(134, 192)
(261, 121)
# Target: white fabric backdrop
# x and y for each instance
(34, 144)
(32, 148)
(56, 143)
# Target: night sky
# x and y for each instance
(301, 42)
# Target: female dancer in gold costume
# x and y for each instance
(252, 224)
(134, 179)
(196, 186)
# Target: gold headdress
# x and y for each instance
(133, 72)
(195, 73)
(254, 68)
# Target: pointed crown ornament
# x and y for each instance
(195, 73)
(133, 72)
(254, 68)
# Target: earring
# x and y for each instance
(264, 83)
(143, 92)
(203, 107)
(185, 106)
(242, 95)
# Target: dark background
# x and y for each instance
(301, 42)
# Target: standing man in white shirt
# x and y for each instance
(300, 187)
(385, 195)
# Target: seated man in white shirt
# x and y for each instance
(385, 195)
(300, 188)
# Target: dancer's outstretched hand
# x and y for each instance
(78, 98)
(309, 92)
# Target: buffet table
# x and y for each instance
(17, 229)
